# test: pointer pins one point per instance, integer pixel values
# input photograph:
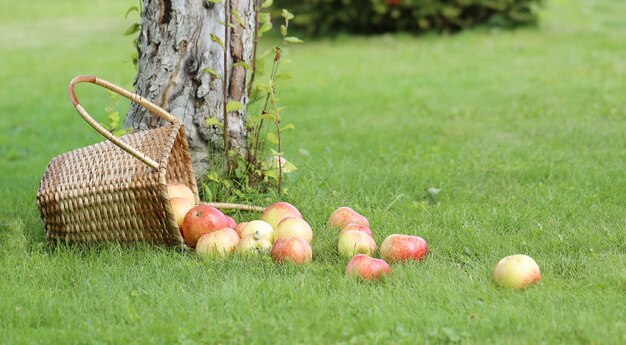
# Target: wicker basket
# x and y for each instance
(117, 190)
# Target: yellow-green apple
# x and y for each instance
(201, 220)
(239, 227)
(279, 211)
(344, 216)
(516, 272)
(179, 190)
(292, 249)
(403, 247)
(293, 227)
(220, 242)
(231, 223)
(180, 207)
(367, 268)
(254, 244)
(260, 227)
(357, 227)
(355, 242)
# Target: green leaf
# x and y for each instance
(267, 3)
(283, 76)
(265, 17)
(114, 119)
(233, 106)
(132, 29)
(212, 72)
(243, 64)
(287, 15)
(288, 126)
(213, 121)
(230, 25)
(268, 117)
(130, 10)
(272, 138)
(267, 26)
(217, 40)
(292, 39)
(283, 30)
(237, 18)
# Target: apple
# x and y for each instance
(239, 227)
(179, 190)
(292, 249)
(274, 213)
(403, 247)
(355, 242)
(254, 244)
(516, 272)
(367, 268)
(220, 242)
(294, 227)
(258, 226)
(231, 223)
(180, 207)
(344, 216)
(357, 227)
(201, 220)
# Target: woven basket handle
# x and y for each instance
(160, 112)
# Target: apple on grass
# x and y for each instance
(403, 247)
(239, 227)
(357, 227)
(254, 244)
(367, 268)
(355, 242)
(274, 213)
(260, 227)
(292, 249)
(180, 207)
(231, 223)
(516, 272)
(201, 220)
(217, 243)
(293, 227)
(344, 216)
(179, 190)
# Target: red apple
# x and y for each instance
(279, 211)
(239, 227)
(201, 220)
(516, 272)
(258, 227)
(292, 249)
(231, 223)
(254, 244)
(294, 227)
(180, 207)
(179, 190)
(357, 227)
(355, 242)
(220, 242)
(367, 268)
(344, 216)
(403, 247)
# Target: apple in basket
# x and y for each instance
(292, 249)
(293, 227)
(201, 220)
(403, 247)
(274, 213)
(180, 207)
(355, 242)
(344, 216)
(367, 268)
(179, 190)
(217, 243)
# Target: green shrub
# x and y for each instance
(327, 17)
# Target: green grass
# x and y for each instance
(524, 132)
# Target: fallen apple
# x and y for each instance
(279, 211)
(231, 223)
(516, 272)
(355, 242)
(403, 247)
(258, 226)
(220, 242)
(179, 190)
(239, 227)
(357, 227)
(292, 249)
(201, 220)
(367, 268)
(254, 244)
(180, 207)
(344, 216)
(293, 227)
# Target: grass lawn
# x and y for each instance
(523, 131)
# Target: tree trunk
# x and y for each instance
(175, 47)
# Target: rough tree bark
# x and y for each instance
(175, 46)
